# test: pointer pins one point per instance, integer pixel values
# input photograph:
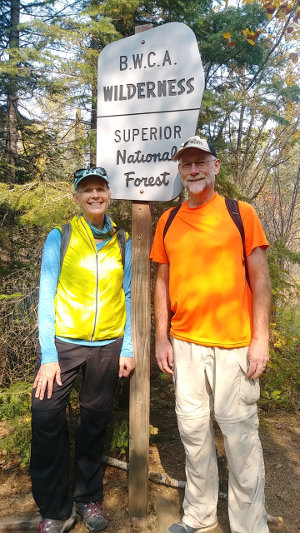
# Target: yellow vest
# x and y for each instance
(90, 301)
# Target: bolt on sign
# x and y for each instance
(150, 88)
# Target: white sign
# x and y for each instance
(150, 88)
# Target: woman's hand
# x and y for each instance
(126, 365)
(47, 373)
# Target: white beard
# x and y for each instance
(197, 187)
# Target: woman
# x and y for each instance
(84, 324)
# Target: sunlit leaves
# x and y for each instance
(228, 37)
(279, 11)
(220, 38)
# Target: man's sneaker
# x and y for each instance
(181, 527)
(92, 515)
(49, 525)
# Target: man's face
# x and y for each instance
(198, 170)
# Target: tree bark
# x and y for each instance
(93, 126)
(11, 149)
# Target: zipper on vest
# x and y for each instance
(97, 279)
(96, 296)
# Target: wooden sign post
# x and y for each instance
(149, 95)
(140, 381)
(139, 401)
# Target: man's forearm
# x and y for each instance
(161, 302)
(163, 347)
(261, 309)
(258, 353)
(261, 293)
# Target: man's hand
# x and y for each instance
(48, 372)
(126, 365)
(258, 356)
(164, 355)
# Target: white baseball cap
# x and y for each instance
(196, 142)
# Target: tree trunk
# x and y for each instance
(93, 127)
(12, 97)
(95, 45)
(79, 133)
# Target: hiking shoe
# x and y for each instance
(181, 527)
(92, 515)
(49, 525)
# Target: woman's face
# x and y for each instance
(93, 197)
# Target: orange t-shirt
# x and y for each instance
(210, 298)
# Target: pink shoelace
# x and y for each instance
(43, 525)
(94, 508)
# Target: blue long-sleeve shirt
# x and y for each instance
(50, 272)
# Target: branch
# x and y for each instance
(294, 199)
(260, 188)
(274, 47)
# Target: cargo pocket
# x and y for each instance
(249, 388)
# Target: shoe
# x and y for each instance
(181, 527)
(92, 515)
(49, 525)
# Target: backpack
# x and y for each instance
(233, 210)
(66, 236)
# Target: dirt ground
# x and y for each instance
(279, 434)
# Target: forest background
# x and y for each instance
(48, 77)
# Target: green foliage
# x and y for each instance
(15, 410)
(74, 395)
(120, 213)
(8, 297)
(15, 400)
(280, 258)
(224, 185)
(17, 442)
(281, 384)
(162, 391)
(213, 47)
(163, 11)
(154, 436)
(283, 252)
(42, 204)
(289, 93)
(120, 437)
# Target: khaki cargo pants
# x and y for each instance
(213, 380)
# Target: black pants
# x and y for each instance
(49, 450)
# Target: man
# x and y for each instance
(219, 341)
(84, 325)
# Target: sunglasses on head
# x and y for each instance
(82, 172)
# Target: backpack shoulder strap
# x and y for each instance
(170, 219)
(122, 239)
(233, 209)
(65, 231)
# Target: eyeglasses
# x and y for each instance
(82, 172)
(198, 164)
